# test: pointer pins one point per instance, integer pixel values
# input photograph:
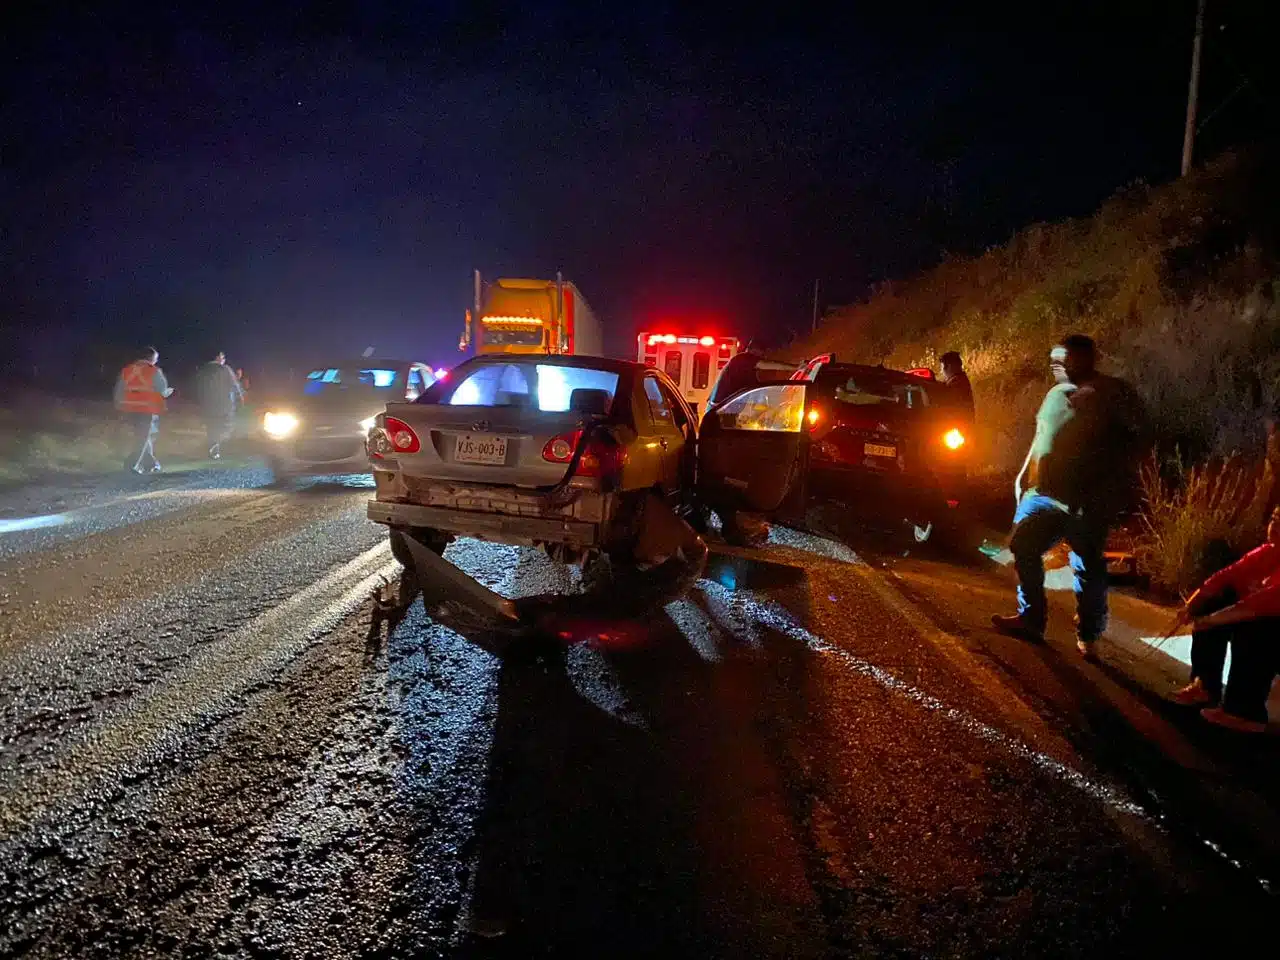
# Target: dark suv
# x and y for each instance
(888, 443)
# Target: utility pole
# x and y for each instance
(1193, 96)
(815, 306)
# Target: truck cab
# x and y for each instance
(532, 317)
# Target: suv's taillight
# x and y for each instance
(601, 458)
(401, 436)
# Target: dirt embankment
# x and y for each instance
(1177, 283)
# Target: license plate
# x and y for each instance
(879, 450)
(480, 448)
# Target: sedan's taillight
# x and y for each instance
(401, 436)
(560, 449)
(601, 458)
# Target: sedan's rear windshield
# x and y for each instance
(547, 387)
(329, 379)
(873, 388)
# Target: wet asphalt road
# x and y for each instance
(204, 750)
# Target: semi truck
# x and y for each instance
(514, 315)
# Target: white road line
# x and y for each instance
(781, 620)
(46, 520)
(155, 726)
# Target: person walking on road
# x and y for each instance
(220, 392)
(1079, 475)
(140, 394)
(957, 382)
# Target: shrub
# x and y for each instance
(1188, 514)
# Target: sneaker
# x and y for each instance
(138, 470)
(1088, 649)
(1016, 627)
(1194, 695)
(1220, 717)
(155, 468)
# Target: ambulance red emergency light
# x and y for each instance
(693, 361)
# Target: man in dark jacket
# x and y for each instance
(957, 382)
(1079, 476)
(219, 393)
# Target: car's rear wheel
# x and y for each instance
(744, 529)
(434, 540)
(699, 517)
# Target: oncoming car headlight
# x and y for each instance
(279, 425)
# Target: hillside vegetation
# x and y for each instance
(1178, 284)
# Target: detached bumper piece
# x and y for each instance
(671, 557)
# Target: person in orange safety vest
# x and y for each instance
(141, 390)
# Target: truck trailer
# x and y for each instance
(514, 315)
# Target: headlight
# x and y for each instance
(953, 439)
(368, 423)
(279, 425)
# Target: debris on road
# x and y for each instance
(667, 559)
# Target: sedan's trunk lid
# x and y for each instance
(485, 444)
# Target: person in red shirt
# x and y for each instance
(1237, 607)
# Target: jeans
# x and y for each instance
(1255, 660)
(1040, 524)
(144, 427)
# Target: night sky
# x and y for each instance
(284, 184)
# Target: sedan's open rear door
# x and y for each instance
(753, 451)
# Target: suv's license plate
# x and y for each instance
(480, 448)
(879, 450)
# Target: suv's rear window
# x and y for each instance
(872, 388)
(326, 379)
(541, 386)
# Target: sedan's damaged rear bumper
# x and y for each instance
(676, 559)
(497, 527)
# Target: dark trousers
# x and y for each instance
(143, 427)
(1255, 660)
(218, 428)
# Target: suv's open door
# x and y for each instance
(753, 450)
